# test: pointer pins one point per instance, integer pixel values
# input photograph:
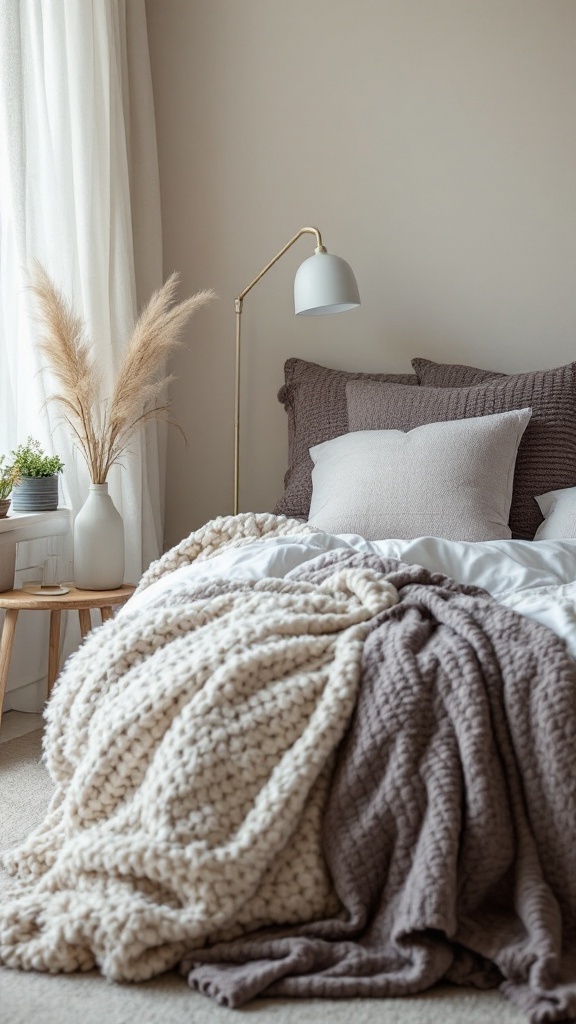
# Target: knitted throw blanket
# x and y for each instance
(191, 747)
(450, 826)
(198, 795)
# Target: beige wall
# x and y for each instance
(433, 142)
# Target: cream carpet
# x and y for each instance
(89, 999)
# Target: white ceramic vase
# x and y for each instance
(98, 542)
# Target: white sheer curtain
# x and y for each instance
(79, 191)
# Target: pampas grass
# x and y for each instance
(102, 427)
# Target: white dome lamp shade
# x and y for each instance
(324, 284)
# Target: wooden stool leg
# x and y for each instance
(54, 648)
(106, 613)
(6, 650)
(85, 621)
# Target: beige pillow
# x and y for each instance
(449, 479)
(559, 511)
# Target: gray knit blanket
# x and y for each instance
(355, 782)
(450, 827)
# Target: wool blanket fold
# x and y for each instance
(450, 826)
(191, 747)
(355, 782)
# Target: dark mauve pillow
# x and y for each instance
(451, 375)
(315, 399)
(547, 454)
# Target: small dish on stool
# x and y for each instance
(45, 589)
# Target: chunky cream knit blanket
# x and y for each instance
(190, 744)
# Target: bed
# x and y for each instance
(331, 750)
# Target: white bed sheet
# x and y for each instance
(536, 578)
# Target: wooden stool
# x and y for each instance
(77, 600)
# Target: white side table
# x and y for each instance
(19, 526)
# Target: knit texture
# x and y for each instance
(222, 534)
(191, 747)
(450, 826)
(547, 453)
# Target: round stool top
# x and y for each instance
(74, 599)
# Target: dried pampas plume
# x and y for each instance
(103, 426)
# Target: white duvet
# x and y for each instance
(536, 578)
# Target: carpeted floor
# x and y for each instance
(89, 999)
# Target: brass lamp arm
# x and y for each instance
(238, 304)
(303, 231)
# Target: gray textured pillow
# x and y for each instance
(451, 479)
(315, 399)
(547, 455)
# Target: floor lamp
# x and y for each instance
(323, 284)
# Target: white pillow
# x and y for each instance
(449, 479)
(559, 511)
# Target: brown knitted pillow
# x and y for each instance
(451, 375)
(315, 399)
(547, 454)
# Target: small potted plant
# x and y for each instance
(35, 478)
(6, 484)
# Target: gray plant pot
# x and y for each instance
(35, 494)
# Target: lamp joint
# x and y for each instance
(238, 304)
